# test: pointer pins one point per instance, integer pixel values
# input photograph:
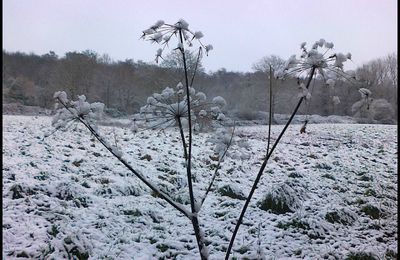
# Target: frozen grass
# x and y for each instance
(67, 195)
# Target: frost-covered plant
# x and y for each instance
(71, 111)
(322, 61)
(169, 108)
(163, 34)
(316, 61)
(184, 107)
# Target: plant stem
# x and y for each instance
(195, 221)
(182, 137)
(189, 156)
(270, 107)
(256, 181)
(195, 68)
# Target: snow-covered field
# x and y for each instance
(67, 193)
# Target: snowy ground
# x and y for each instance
(67, 193)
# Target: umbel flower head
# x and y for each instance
(71, 111)
(323, 61)
(162, 33)
(168, 107)
(327, 63)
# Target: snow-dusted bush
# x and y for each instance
(342, 216)
(282, 199)
(382, 111)
(369, 110)
(232, 191)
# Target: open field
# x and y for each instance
(67, 193)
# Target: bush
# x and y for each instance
(372, 211)
(283, 199)
(361, 256)
(341, 216)
(231, 191)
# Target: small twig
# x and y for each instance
(216, 170)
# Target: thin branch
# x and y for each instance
(270, 108)
(195, 68)
(218, 166)
(162, 195)
(183, 138)
(262, 169)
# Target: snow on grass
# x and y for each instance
(66, 195)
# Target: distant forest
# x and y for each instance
(123, 86)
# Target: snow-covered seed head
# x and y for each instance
(335, 100)
(182, 24)
(201, 96)
(61, 95)
(158, 24)
(330, 83)
(198, 35)
(219, 101)
(169, 107)
(329, 45)
(208, 48)
(319, 58)
(76, 109)
(162, 33)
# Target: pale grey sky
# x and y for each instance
(241, 31)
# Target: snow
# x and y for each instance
(73, 193)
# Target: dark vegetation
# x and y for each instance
(123, 86)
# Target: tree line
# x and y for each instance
(123, 86)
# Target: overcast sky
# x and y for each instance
(241, 31)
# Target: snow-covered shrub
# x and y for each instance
(342, 216)
(361, 256)
(369, 110)
(371, 211)
(18, 192)
(231, 190)
(282, 199)
(382, 111)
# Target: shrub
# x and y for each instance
(282, 199)
(361, 256)
(371, 211)
(231, 191)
